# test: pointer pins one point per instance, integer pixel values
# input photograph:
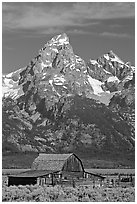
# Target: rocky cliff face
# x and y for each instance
(59, 103)
(111, 70)
(118, 78)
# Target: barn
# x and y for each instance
(58, 162)
(53, 169)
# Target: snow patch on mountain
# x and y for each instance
(107, 72)
(113, 79)
(58, 80)
(106, 56)
(11, 88)
(96, 85)
(10, 85)
(93, 62)
(13, 93)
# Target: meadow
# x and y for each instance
(35, 193)
(63, 193)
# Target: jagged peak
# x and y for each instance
(110, 56)
(114, 57)
(111, 53)
(59, 39)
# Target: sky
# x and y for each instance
(93, 28)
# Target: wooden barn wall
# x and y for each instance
(73, 164)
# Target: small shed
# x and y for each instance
(30, 177)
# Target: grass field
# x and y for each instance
(37, 193)
(66, 193)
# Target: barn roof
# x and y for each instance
(32, 173)
(96, 175)
(54, 157)
(52, 162)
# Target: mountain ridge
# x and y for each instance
(59, 103)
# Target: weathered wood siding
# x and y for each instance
(73, 163)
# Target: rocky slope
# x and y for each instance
(118, 78)
(59, 103)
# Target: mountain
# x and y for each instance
(118, 78)
(112, 71)
(59, 103)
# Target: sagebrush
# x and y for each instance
(38, 193)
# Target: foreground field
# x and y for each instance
(56, 194)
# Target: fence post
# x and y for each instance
(100, 182)
(73, 183)
(93, 183)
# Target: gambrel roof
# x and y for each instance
(52, 162)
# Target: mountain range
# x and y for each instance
(60, 103)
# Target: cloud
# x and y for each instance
(78, 31)
(55, 30)
(115, 35)
(105, 10)
(49, 17)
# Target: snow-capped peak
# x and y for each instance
(57, 71)
(59, 39)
